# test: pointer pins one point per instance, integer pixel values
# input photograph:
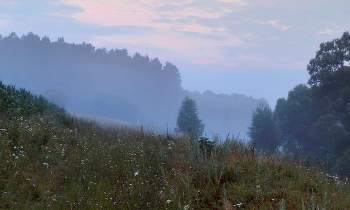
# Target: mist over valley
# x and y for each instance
(111, 84)
(177, 104)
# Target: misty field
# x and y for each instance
(52, 160)
(47, 164)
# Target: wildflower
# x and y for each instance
(5, 192)
(168, 201)
(136, 173)
(33, 185)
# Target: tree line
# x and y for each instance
(314, 120)
(43, 50)
(113, 84)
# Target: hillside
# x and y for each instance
(50, 159)
(113, 84)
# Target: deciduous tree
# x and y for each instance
(263, 131)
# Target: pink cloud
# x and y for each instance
(195, 28)
(114, 14)
(228, 64)
(203, 62)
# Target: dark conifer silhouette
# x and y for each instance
(187, 121)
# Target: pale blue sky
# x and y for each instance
(252, 47)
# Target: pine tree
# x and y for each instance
(187, 120)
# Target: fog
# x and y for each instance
(111, 84)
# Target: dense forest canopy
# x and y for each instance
(314, 120)
(30, 48)
(114, 84)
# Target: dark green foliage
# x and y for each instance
(328, 60)
(312, 125)
(342, 164)
(23, 103)
(206, 147)
(296, 117)
(187, 120)
(264, 132)
(330, 81)
(316, 121)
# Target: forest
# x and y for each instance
(314, 121)
(112, 84)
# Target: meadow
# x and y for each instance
(52, 160)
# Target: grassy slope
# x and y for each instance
(52, 160)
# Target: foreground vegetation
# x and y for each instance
(50, 159)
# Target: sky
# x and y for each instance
(259, 48)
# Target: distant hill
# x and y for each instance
(112, 84)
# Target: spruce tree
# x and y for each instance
(187, 120)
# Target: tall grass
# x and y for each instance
(55, 161)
